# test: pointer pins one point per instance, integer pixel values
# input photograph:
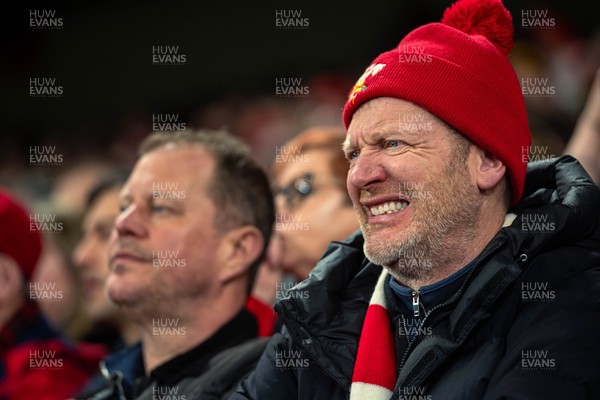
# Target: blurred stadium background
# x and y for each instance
(235, 53)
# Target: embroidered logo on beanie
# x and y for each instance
(360, 83)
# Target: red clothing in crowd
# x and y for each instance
(36, 362)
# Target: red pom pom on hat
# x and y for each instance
(488, 18)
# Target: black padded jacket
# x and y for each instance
(525, 324)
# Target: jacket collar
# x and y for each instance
(124, 370)
(559, 206)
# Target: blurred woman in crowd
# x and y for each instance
(313, 207)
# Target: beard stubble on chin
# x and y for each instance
(441, 225)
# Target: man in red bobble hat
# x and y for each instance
(474, 275)
(36, 362)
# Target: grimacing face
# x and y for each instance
(91, 254)
(410, 188)
(165, 246)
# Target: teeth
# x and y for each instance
(389, 207)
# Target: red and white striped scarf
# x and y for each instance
(374, 374)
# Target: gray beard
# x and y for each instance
(409, 261)
(447, 227)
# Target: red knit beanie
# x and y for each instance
(459, 71)
(18, 239)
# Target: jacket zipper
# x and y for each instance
(427, 314)
(415, 302)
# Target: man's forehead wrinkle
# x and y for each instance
(371, 139)
(371, 133)
(377, 133)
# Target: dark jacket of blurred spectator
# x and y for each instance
(210, 370)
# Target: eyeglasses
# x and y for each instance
(299, 189)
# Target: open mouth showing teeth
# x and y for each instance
(389, 207)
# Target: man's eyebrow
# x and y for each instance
(380, 134)
(375, 138)
(347, 145)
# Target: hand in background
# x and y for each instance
(585, 142)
